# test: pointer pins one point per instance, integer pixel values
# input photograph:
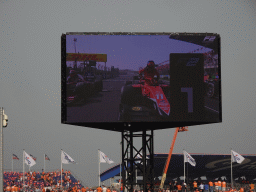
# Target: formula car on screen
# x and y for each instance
(95, 80)
(80, 88)
(147, 100)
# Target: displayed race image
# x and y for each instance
(142, 78)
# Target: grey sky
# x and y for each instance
(30, 76)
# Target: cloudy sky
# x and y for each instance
(31, 79)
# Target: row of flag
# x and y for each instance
(15, 157)
(66, 159)
(30, 160)
(236, 157)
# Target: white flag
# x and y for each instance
(66, 159)
(236, 157)
(188, 158)
(29, 160)
(104, 158)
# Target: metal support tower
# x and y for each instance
(131, 163)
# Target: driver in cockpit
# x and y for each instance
(149, 71)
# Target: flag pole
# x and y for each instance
(44, 162)
(184, 165)
(23, 170)
(120, 166)
(187, 173)
(61, 168)
(99, 164)
(12, 163)
(231, 171)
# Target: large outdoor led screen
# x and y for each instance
(140, 81)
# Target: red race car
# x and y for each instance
(145, 101)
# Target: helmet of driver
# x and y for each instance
(151, 64)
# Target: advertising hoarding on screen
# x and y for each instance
(140, 81)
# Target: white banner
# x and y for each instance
(29, 160)
(236, 157)
(66, 159)
(188, 158)
(104, 158)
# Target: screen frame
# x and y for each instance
(131, 126)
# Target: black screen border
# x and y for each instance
(131, 126)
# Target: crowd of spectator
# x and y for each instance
(210, 186)
(40, 181)
(51, 182)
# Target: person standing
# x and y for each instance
(179, 187)
(99, 189)
(251, 187)
(175, 185)
(201, 186)
(171, 186)
(195, 185)
(108, 189)
(8, 188)
(206, 187)
(216, 185)
(184, 187)
(104, 189)
(219, 185)
(223, 185)
(211, 186)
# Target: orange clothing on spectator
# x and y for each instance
(219, 183)
(8, 188)
(216, 183)
(83, 189)
(223, 184)
(108, 190)
(74, 189)
(251, 186)
(179, 187)
(99, 189)
(241, 189)
(211, 184)
(195, 184)
(12, 189)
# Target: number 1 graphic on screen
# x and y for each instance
(189, 90)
